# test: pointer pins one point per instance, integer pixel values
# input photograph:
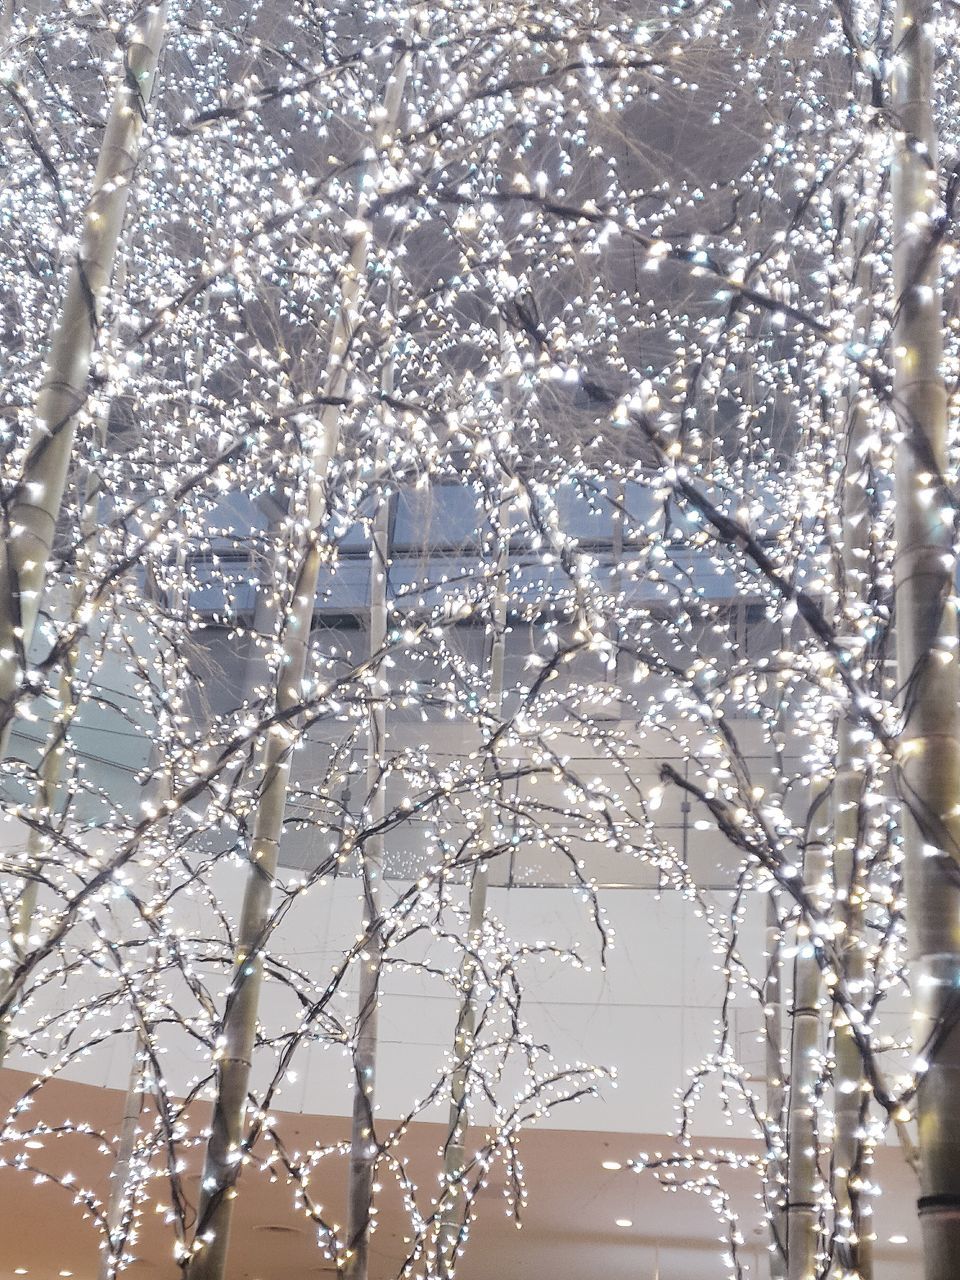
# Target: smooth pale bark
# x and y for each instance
(803, 1202)
(156, 793)
(363, 1148)
(51, 766)
(926, 619)
(45, 816)
(853, 1233)
(238, 1033)
(852, 1226)
(239, 1028)
(775, 1089)
(34, 506)
(119, 1204)
(454, 1150)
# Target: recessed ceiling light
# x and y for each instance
(20, 1271)
(898, 1239)
(612, 1164)
(624, 1222)
(33, 1144)
(66, 1273)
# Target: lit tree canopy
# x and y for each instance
(454, 442)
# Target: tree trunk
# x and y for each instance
(853, 1235)
(238, 1035)
(363, 1148)
(118, 1205)
(455, 1144)
(803, 1207)
(156, 793)
(775, 1091)
(158, 790)
(34, 505)
(852, 1227)
(51, 766)
(926, 614)
(45, 816)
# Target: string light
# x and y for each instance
(631, 274)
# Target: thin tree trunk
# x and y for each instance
(51, 766)
(45, 810)
(775, 1089)
(853, 1234)
(463, 1044)
(802, 1209)
(119, 1203)
(31, 514)
(158, 790)
(45, 815)
(238, 1035)
(852, 1228)
(926, 619)
(363, 1147)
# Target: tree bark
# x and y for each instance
(158, 790)
(775, 1089)
(51, 766)
(31, 513)
(118, 1205)
(238, 1033)
(363, 1147)
(853, 1235)
(926, 619)
(803, 1201)
(455, 1144)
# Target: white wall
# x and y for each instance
(650, 1013)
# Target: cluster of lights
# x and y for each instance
(370, 262)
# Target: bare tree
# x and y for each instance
(363, 1144)
(727, 467)
(927, 670)
(32, 505)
